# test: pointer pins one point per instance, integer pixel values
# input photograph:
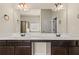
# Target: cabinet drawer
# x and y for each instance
(2, 42)
(63, 43)
(59, 51)
(6, 50)
(73, 50)
(22, 50)
(18, 43)
(23, 43)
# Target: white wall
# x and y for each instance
(10, 25)
(73, 21)
(69, 18)
(16, 21)
(6, 26)
(62, 22)
(61, 19)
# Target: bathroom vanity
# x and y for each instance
(15, 47)
(39, 27)
(24, 47)
(51, 44)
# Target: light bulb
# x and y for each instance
(23, 6)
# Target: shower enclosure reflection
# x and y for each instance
(30, 22)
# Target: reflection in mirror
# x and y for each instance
(45, 20)
(30, 21)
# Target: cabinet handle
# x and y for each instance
(24, 46)
(27, 41)
(76, 43)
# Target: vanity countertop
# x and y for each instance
(39, 36)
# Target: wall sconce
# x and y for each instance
(6, 17)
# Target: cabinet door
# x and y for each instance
(6, 50)
(59, 51)
(22, 50)
(73, 50)
(63, 43)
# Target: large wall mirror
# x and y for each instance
(30, 21)
(46, 18)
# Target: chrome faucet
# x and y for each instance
(58, 34)
(22, 34)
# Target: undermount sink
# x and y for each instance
(69, 36)
(21, 35)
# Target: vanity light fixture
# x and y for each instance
(6, 17)
(58, 7)
(23, 6)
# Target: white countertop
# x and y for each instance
(39, 36)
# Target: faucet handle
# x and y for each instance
(58, 34)
(22, 34)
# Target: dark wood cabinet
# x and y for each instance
(23, 50)
(73, 50)
(23, 47)
(6, 50)
(59, 51)
(15, 47)
(59, 47)
(2, 42)
(64, 47)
